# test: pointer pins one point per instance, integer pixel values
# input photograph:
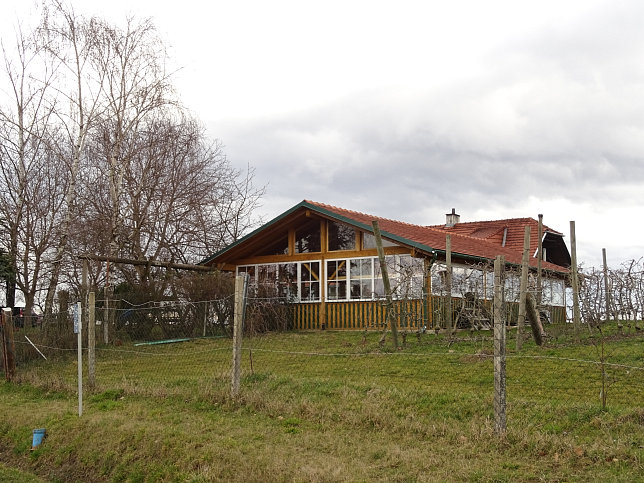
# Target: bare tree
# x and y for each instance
(25, 208)
(175, 183)
(136, 89)
(70, 39)
(99, 156)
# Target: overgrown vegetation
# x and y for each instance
(334, 406)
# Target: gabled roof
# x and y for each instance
(425, 239)
(493, 230)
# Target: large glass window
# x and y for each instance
(340, 237)
(364, 278)
(287, 280)
(464, 280)
(336, 276)
(267, 280)
(278, 247)
(361, 278)
(558, 293)
(512, 286)
(309, 281)
(410, 276)
(369, 242)
(307, 237)
(284, 280)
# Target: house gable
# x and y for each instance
(299, 233)
(278, 240)
(509, 234)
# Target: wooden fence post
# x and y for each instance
(106, 315)
(606, 288)
(8, 347)
(524, 285)
(451, 326)
(91, 340)
(387, 286)
(499, 349)
(539, 259)
(78, 325)
(576, 316)
(237, 333)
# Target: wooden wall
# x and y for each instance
(407, 313)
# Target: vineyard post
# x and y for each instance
(499, 349)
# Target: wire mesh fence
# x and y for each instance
(453, 375)
(184, 350)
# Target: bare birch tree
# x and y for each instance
(70, 39)
(25, 112)
(99, 156)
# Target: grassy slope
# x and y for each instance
(356, 413)
(17, 476)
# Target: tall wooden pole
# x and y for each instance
(79, 342)
(91, 341)
(576, 314)
(523, 289)
(237, 333)
(84, 291)
(87, 321)
(606, 288)
(448, 281)
(499, 349)
(106, 315)
(539, 258)
(385, 282)
(8, 346)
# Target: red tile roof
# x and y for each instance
(476, 239)
(492, 230)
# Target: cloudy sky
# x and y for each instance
(407, 109)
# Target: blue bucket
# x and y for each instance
(38, 436)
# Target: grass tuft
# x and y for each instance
(330, 407)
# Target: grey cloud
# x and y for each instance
(558, 114)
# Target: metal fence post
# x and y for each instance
(499, 349)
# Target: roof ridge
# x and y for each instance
(326, 206)
(491, 221)
(434, 228)
(524, 218)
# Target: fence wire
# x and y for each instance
(184, 350)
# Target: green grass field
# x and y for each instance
(333, 406)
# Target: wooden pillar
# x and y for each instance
(523, 288)
(322, 319)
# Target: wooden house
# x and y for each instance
(323, 261)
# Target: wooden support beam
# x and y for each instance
(151, 263)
